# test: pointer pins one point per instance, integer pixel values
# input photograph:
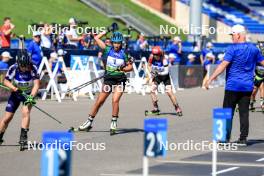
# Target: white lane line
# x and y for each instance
(238, 151)
(103, 174)
(226, 170)
(119, 175)
(210, 163)
(259, 160)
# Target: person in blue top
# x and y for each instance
(23, 81)
(141, 43)
(5, 57)
(189, 64)
(175, 50)
(205, 51)
(117, 64)
(34, 49)
(239, 62)
(191, 60)
(53, 61)
(220, 58)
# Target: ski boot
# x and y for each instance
(251, 106)
(23, 139)
(87, 125)
(262, 104)
(152, 112)
(178, 110)
(113, 126)
(1, 137)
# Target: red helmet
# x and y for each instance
(156, 50)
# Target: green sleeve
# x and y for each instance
(106, 51)
(126, 57)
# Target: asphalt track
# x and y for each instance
(123, 152)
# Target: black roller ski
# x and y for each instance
(179, 114)
(112, 132)
(23, 145)
(252, 109)
(148, 113)
(75, 130)
(257, 109)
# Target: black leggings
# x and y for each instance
(242, 99)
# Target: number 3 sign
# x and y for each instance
(221, 115)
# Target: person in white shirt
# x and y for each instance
(72, 36)
(45, 37)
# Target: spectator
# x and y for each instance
(141, 44)
(175, 50)
(209, 59)
(72, 36)
(5, 57)
(34, 49)
(5, 32)
(87, 42)
(208, 49)
(46, 43)
(191, 59)
(220, 58)
(61, 53)
(53, 62)
(60, 40)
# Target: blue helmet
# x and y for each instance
(117, 37)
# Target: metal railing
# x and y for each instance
(120, 11)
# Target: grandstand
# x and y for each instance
(255, 7)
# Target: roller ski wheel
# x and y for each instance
(252, 109)
(178, 111)
(179, 114)
(153, 112)
(112, 132)
(23, 145)
(113, 127)
(73, 130)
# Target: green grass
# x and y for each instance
(25, 12)
(147, 15)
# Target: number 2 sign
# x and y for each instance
(155, 137)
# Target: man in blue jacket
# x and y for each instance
(239, 62)
(34, 49)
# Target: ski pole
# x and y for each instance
(41, 110)
(44, 112)
(87, 83)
